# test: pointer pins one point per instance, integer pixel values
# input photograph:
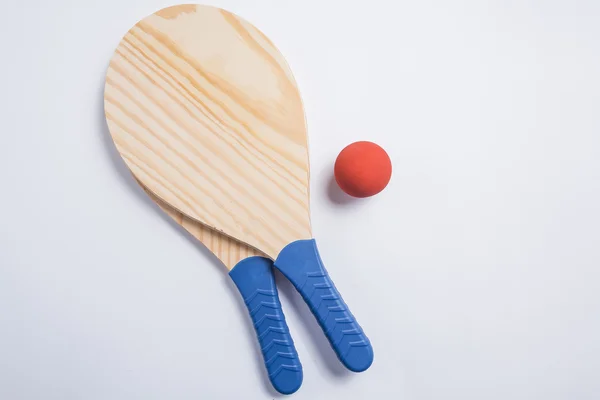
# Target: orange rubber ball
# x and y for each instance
(362, 169)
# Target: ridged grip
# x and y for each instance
(301, 263)
(254, 279)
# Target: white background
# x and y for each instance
(476, 273)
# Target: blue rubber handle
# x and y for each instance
(300, 262)
(254, 279)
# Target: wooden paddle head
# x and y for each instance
(206, 113)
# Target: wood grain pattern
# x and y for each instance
(226, 249)
(206, 114)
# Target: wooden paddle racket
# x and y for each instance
(207, 115)
(252, 273)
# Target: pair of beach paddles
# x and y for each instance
(205, 112)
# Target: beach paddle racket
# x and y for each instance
(207, 115)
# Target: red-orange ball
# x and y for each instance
(362, 169)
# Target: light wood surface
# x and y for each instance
(206, 114)
(226, 249)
